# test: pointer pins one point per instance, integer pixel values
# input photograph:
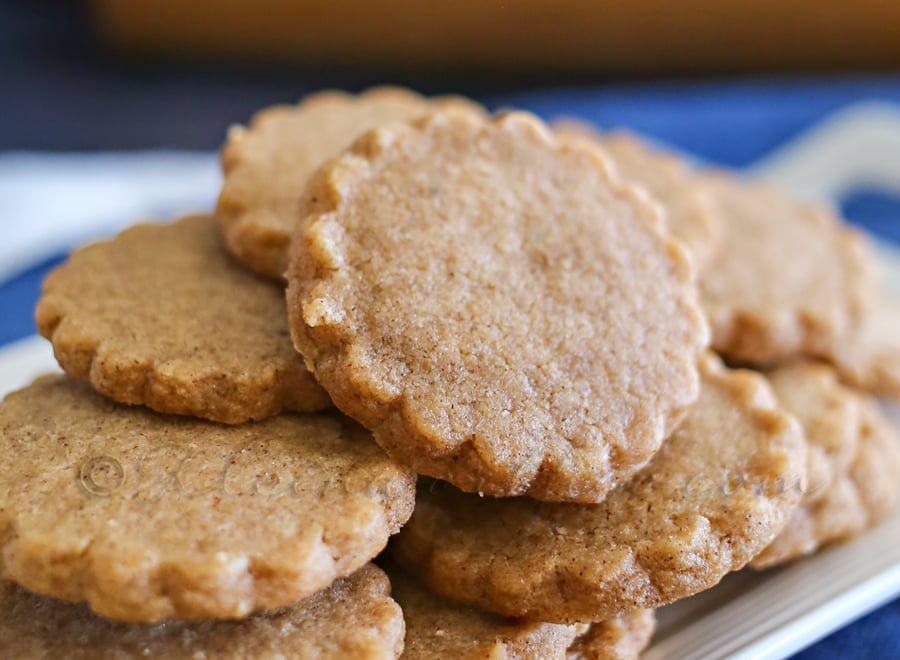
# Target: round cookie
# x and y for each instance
(786, 279)
(621, 638)
(162, 316)
(267, 164)
(830, 415)
(714, 496)
(436, 628)
(354, 617)
(861, 494)
(870, 360)
(147, 516)
(688, 209)
(494, 307)
(876, 466)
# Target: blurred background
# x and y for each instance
(112, 110)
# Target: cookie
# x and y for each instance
(267, 164)
(436, 628)
(714, 496)
(830, 415)
(354, 617)
(494, 307)
(861, 494)
(870, 360)
(686, 203)
(162, 316)
(875, 469)
(149, 516)
(622, 638)
(787, 279)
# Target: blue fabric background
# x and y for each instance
(731, 123)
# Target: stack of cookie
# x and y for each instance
(485, 338)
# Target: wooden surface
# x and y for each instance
(545, 36)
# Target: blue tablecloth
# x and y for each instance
(731, 123)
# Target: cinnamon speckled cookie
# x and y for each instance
(830, 415)
(162, 316)
(621, 638)
(354, 617)
(495, 307)
(786, 279)
(437, 628)
(714, 496)
(149, 516)
(687, 208)
(870, 360)
(266, 165)
(863, 487)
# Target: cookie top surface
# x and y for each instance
(786, 279)
(437, 628)
(829, 414)
(147, 516)
(876, 466)
(354, 617)
(498, 310)
(621, 638)
(715, 495)
(860, 494)
(687, 208)
(266, 165)
(871, 359)
(162, 316)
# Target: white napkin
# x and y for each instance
(50, 203)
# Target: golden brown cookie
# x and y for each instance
(831, 416)
(621, 638)
(870, 360)
(687, 207)
(786, 279)
(353, 618)
(861, 494)
(149, 516)
(162, 316)
(498, 310)
(437, 628)
(714, 496)
(267, 164)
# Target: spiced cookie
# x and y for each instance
(621, 638)
(687, 208)
(860, 495)
(714, 496)
(354, 617)
(871, 359)
(162, 316)
(831, 417)
(787, 279)
(495, 307)
(267, 164)
(437, 628)
(149, 516)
